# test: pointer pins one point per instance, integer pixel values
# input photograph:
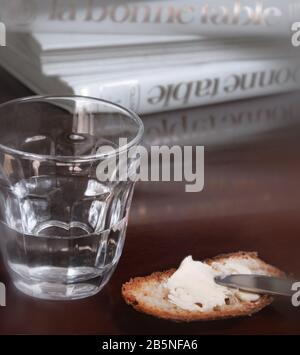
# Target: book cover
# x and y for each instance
(205, 18)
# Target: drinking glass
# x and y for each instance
(64, 224)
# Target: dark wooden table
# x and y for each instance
(251, 201)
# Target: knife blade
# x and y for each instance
(258, 284)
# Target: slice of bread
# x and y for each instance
(149, 294)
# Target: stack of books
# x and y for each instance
(152, 56)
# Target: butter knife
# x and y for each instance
(258, 284)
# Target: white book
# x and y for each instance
(168, 61)
(214, 17)
(49, 42)
(163, 89)
(69, 64)
(37, 46)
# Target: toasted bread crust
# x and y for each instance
(138, 286)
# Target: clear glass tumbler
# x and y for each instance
(64, 227)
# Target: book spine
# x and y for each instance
(229, 17)
(196, 85)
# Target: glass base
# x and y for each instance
(62, 291)
(51, 291)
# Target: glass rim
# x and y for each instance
(81, 158)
